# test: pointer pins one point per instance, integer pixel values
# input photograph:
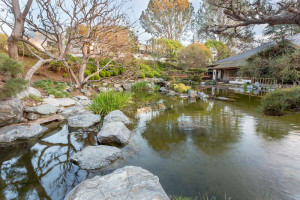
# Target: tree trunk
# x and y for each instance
(36, 67)
(12, 47)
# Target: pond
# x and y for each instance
(194, 147)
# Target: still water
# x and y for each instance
(194, 147)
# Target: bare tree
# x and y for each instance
(14, 18)
(246, 13)
(92, 28)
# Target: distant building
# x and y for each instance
(226, 69)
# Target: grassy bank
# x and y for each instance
(281, 101)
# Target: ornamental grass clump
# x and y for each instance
(108, 101)
(140, 86)
(280, 101)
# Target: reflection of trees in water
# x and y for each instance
(42, 171)
(210, 127)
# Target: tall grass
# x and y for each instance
(140, 86)
(108, 101)
(280, 101)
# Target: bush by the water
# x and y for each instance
(54, 88)
(140, 86)
(13, 86)
(108, 101)
(181, 88)
(280, 101)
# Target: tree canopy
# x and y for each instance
(167, 18)
(195, 55)
(218, 49)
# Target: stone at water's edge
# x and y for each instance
(27, 92)
(192, 94)
(127, 86)
(74, 111)
(116, 116)
(96, 157)
(32, 116)
(11, 111)
(132, 183)
(83, 121)
(13, 133)
(114, 133)
(66, 102)
(163, 90)
(44, 109)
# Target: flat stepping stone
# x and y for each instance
(13, 133)
(83, 121)
(116, 116)
(132, 183)
(114, 133)
(75, 110)
(96, 157)
(44, 109)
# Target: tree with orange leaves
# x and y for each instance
(167, 18)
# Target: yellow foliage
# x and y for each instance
(181, 88)
(179, 5)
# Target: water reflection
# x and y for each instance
(43, 170)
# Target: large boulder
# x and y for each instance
(83, 121)
(74, 111)
(96, 157)
(114, 133)
(116, 116)
(44, 109)
(11, 111)
(127, 86)
(130, 183)
(12, 133)
(27, 92)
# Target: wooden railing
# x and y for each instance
(266, 81)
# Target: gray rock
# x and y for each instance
(13, 133)
(163, 90)
(192, 94)
(118, 89)
(171, 93)
(96, 157)
(102, 89)
(81, 98)
(83, 121)
(52, 101)
(44, 109)
(114, 133)
(74, 111)
(127, 86)
(130, 183)
(116, 116)
(32, 116)
(86, 92)
(11, 111)
(66, 102)
(27, 92)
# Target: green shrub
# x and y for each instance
(140, 86)
(102, 74)
(149, 75)
(87, 73)
(116, 72)
(107, 73)
(157, 74)
(108, 101)
(181, 88)
(46, 83)
(122, 70)
(65, 75)
(3, 40)
(280, 101)
(96, 77)
(60, 86)
(34, 98)
(56, 66)
(13, 86)
(142, 75)
(10, 67)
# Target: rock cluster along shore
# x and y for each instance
(130, 183)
